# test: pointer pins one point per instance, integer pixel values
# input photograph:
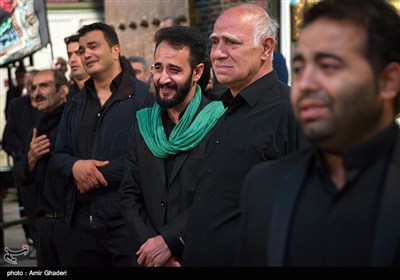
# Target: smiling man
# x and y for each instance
(92, 146)
(166, 142)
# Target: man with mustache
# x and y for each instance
(166, 147)
(338, 202)
(92, 147)
(35, 166)
(22, 116)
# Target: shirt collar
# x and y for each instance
(252, 93)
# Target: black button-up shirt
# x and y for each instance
(257, 126)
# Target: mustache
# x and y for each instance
(168, 86)
(39, 98)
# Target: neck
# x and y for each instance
(242, 84)
(81, 82)
(102, 81)
(334, 165)
(175, 111)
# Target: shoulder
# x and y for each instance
(283, 166)
(141, 92)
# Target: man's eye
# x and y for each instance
(174, 70)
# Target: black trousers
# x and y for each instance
(102, 247)
(53, 243)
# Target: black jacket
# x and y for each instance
(268, 202)
(151, 205)
(110, 144)
(21, 118)
(49, 183)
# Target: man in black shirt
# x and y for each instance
(50, 90)
(258, 125)
(78, 73)
(92, 146)
(337, 203)
(15, 90)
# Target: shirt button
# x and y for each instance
(98, 114)
(162, 203)
(217, 141)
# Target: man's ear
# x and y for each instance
(268, 48)
(64, 90)
(390, 81)
(116, 49)
(198, 71)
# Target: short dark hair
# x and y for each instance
(20, 69)
(190, 37)
(109, 34)
(378, 18)
(59, 79)
(173, 20)
(71, 39)
(138, 59)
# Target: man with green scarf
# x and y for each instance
(166, 147)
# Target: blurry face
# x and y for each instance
(210, 84)
(45, 93)
(20, 77)
(172, 75)
(96, 55)
(334, 94)
(234, 58)
(74, 61)
(28, 85)
(139, 71)
(61, 64)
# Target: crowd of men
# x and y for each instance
(131, 166)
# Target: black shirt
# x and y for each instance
(92, 114)
(340, 232)
(257, 126)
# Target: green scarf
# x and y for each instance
(186, 134)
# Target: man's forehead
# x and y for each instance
(94, 35)
(43, 77)
(224, 35)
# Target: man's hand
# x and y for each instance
(87, 175)
(39, 146)
(154, 252)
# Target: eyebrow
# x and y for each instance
(225, 36)
(317, 56)
(45, 82)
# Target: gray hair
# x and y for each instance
(264, 26)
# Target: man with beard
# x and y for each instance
(166, 147)
(91, 149)
(338, 202)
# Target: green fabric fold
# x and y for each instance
(186, 134)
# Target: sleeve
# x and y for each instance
(11, 142)
(131, 197)
(22, 175)
(63, 151)
(174, 233)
